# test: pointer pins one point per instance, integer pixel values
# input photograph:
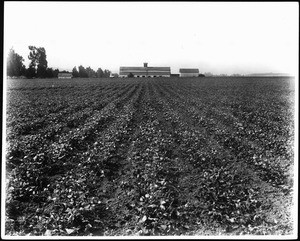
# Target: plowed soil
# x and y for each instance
(150, 156)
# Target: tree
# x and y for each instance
(38, 59)
(106, 73)
(91, 73)
(23, 70)
(75, 72)
(30, 72)
(49, 73)
(42, 64)
(55, 73)
(82, 72)
(15, 66)
(100, 73)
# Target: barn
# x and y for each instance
(65, 75)
(145, 71)
(189, 72)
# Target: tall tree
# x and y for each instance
(38, 59)
(15, 66)
(75, 72)
(43, 63)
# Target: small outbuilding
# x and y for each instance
(65, 75)
(189, 72)
(114, 75)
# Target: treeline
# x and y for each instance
(38, 66)
(89, 72)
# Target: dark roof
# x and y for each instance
(146, 73)
(188, 70)
(145, 69)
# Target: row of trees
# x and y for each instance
(38, 66)
(89, 72)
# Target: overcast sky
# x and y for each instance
(214, 37)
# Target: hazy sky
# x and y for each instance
(214, 37)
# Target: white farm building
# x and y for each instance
(189, 72)
(145, 71)
(65, 75)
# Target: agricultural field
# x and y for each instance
(150, 156)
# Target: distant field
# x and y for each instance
(150, 156)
